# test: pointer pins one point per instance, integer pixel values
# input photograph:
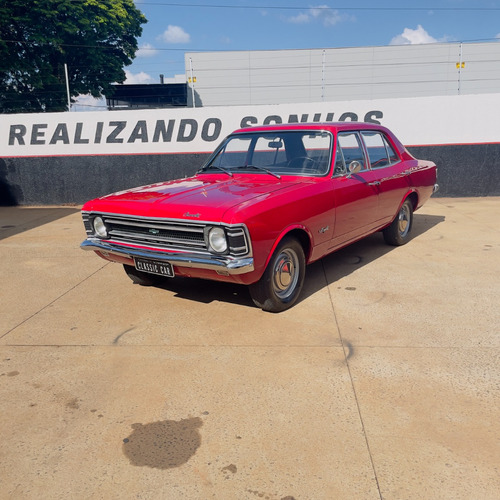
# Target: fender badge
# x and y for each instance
(324, 229)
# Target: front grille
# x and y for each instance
(165, 234)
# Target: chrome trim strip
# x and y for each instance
(144, 238)
(180, 227)
(223, 264)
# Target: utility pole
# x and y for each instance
(460, 66)
(67, 86)
(323, 76)
(192, 80)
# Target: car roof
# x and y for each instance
(330, 126)
(333, 127)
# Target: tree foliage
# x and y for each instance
(94, 38)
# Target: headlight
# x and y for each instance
(100, 228)
(217, 240)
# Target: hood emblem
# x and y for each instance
(187, 214)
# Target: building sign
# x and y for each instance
(418, 121)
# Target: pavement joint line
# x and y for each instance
(251, 346)
(181, 346)
(346, 358)
(52, 302)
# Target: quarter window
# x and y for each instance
(393, 157)
(380, 152)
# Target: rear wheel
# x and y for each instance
(139, 277)
(280, 285)
(398, 233)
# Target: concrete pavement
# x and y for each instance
(382, 382)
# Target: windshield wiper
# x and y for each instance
(263, 169)
(204, 169)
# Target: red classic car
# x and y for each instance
(269, 201)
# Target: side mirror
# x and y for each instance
(355, 167)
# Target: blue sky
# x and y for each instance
(177, 27)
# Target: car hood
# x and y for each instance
(203, 197)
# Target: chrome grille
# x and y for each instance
(165, 234)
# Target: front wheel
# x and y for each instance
(280, 285)
(398, 233)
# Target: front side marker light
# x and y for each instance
(217, 240)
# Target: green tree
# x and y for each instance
(94, 38)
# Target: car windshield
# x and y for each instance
(274, 153)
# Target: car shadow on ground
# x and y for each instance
(319, 274)
(15, 220)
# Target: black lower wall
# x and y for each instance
(76, 179)
(464, 170)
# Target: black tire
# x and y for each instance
(139, 277)
(281, 284)
(398, 233)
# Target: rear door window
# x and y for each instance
(380, 152)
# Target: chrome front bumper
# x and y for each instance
(222, 264)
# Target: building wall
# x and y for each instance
(343, 74)
(71, 157)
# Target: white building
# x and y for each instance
(342, 74)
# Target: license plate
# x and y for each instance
(154, 267)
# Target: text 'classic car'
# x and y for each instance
(269, 201)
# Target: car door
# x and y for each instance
(355, 193)
(390, 174)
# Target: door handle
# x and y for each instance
(375, 183)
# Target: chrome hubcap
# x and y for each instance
(285, 273)
(404, 220)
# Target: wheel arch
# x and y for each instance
(301, 234)
(413, 197)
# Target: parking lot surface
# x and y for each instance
(383, 382)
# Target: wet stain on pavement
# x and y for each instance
(12, 374)
(163, 445)
(228, 470)
(118, 337)
(267, 496)
(349, 350)
(72, 404)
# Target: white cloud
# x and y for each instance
(141, 77)
(413, 37)
(329, 17)
(300, 18)
(322, 13)
(89, 103)
(175, 34)
(146, 50)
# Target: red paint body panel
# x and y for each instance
(324, 211)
